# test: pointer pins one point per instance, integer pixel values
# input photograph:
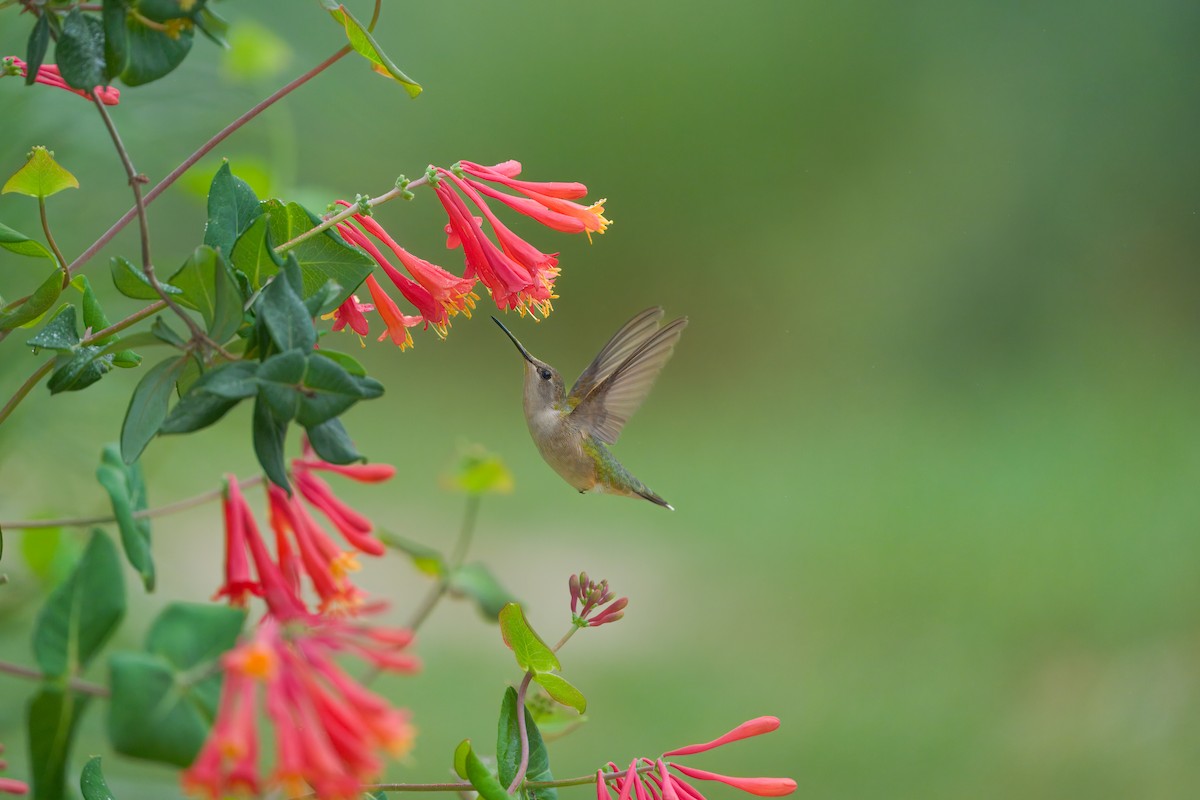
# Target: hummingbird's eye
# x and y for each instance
(544, 373)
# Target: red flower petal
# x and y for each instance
(754, 727)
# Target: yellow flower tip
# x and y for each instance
(343, 563)
(257, 661)
(362, 342)
(330, 315)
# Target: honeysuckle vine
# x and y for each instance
(285, 640)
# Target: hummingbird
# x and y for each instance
(571, 429)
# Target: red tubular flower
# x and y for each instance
(452, 292)
(49, 75)
(503, 277)
(329, 731)
(661, 784)
(397, 324)
(553, 197)
(350, 313)
(303, 549)
(239, 582)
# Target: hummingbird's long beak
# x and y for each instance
(520, 346)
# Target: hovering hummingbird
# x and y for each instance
(572, 429)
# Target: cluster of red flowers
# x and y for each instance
(648, 779)
(302, 546)
(329, 731)
(515, 273)
(49, 75)
(594, 597)
(327, 727)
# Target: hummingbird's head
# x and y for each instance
(543, 384)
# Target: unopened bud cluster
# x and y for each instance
(590, 597)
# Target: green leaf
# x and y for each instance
(332, 443)
(324, 299)
(192, 635)
(94, 319)
(254, 255)
(92, 783)
(476, 582)
(282, 311)
(213, 26)
(80, 51)
(132, 282)
(279, 382)
(533, 655)
(50, 555)
(473, 770)
(53, 717)
(553, 719)
(365, 45)
(508, 747)
(481, 472)
(82, 613)
(164, 700)
(19, 243)
(60, 333)
(35, 48)
(164, 332)
(127, 492)
(269, 436)
(148, 406)
(35, 305)
(79, 369)
(562, 691)
(227, 311)
(329, 390)
(424, 558)
(116, 37)
(211, 397)
(152, 53)
(346, 362)
(323, 257)
(41, 176)
(232, 208)
(197, 280)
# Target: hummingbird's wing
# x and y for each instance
(608, 406)
(631, 336)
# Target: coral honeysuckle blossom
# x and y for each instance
(659, 783)
(50, 76)
(515, 273)
(329, 731)
(302, 546)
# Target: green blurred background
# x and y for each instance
(932, 432)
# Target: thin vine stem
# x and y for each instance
(465, 786)
(350, 211)
(58, 256)
(159, 511)
(135, 184)
(26, 387)
(461, 546)
(46, 367)
(200, 153)
(82, 686)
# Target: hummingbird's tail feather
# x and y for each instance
(653, 498)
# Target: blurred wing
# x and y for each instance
(630, 337)
(606, 409)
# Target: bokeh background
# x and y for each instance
(932, 432)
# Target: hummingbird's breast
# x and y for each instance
(562, 446)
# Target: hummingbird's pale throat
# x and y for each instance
(571, 429)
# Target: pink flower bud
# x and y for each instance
(754, 727)
(763, 787)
